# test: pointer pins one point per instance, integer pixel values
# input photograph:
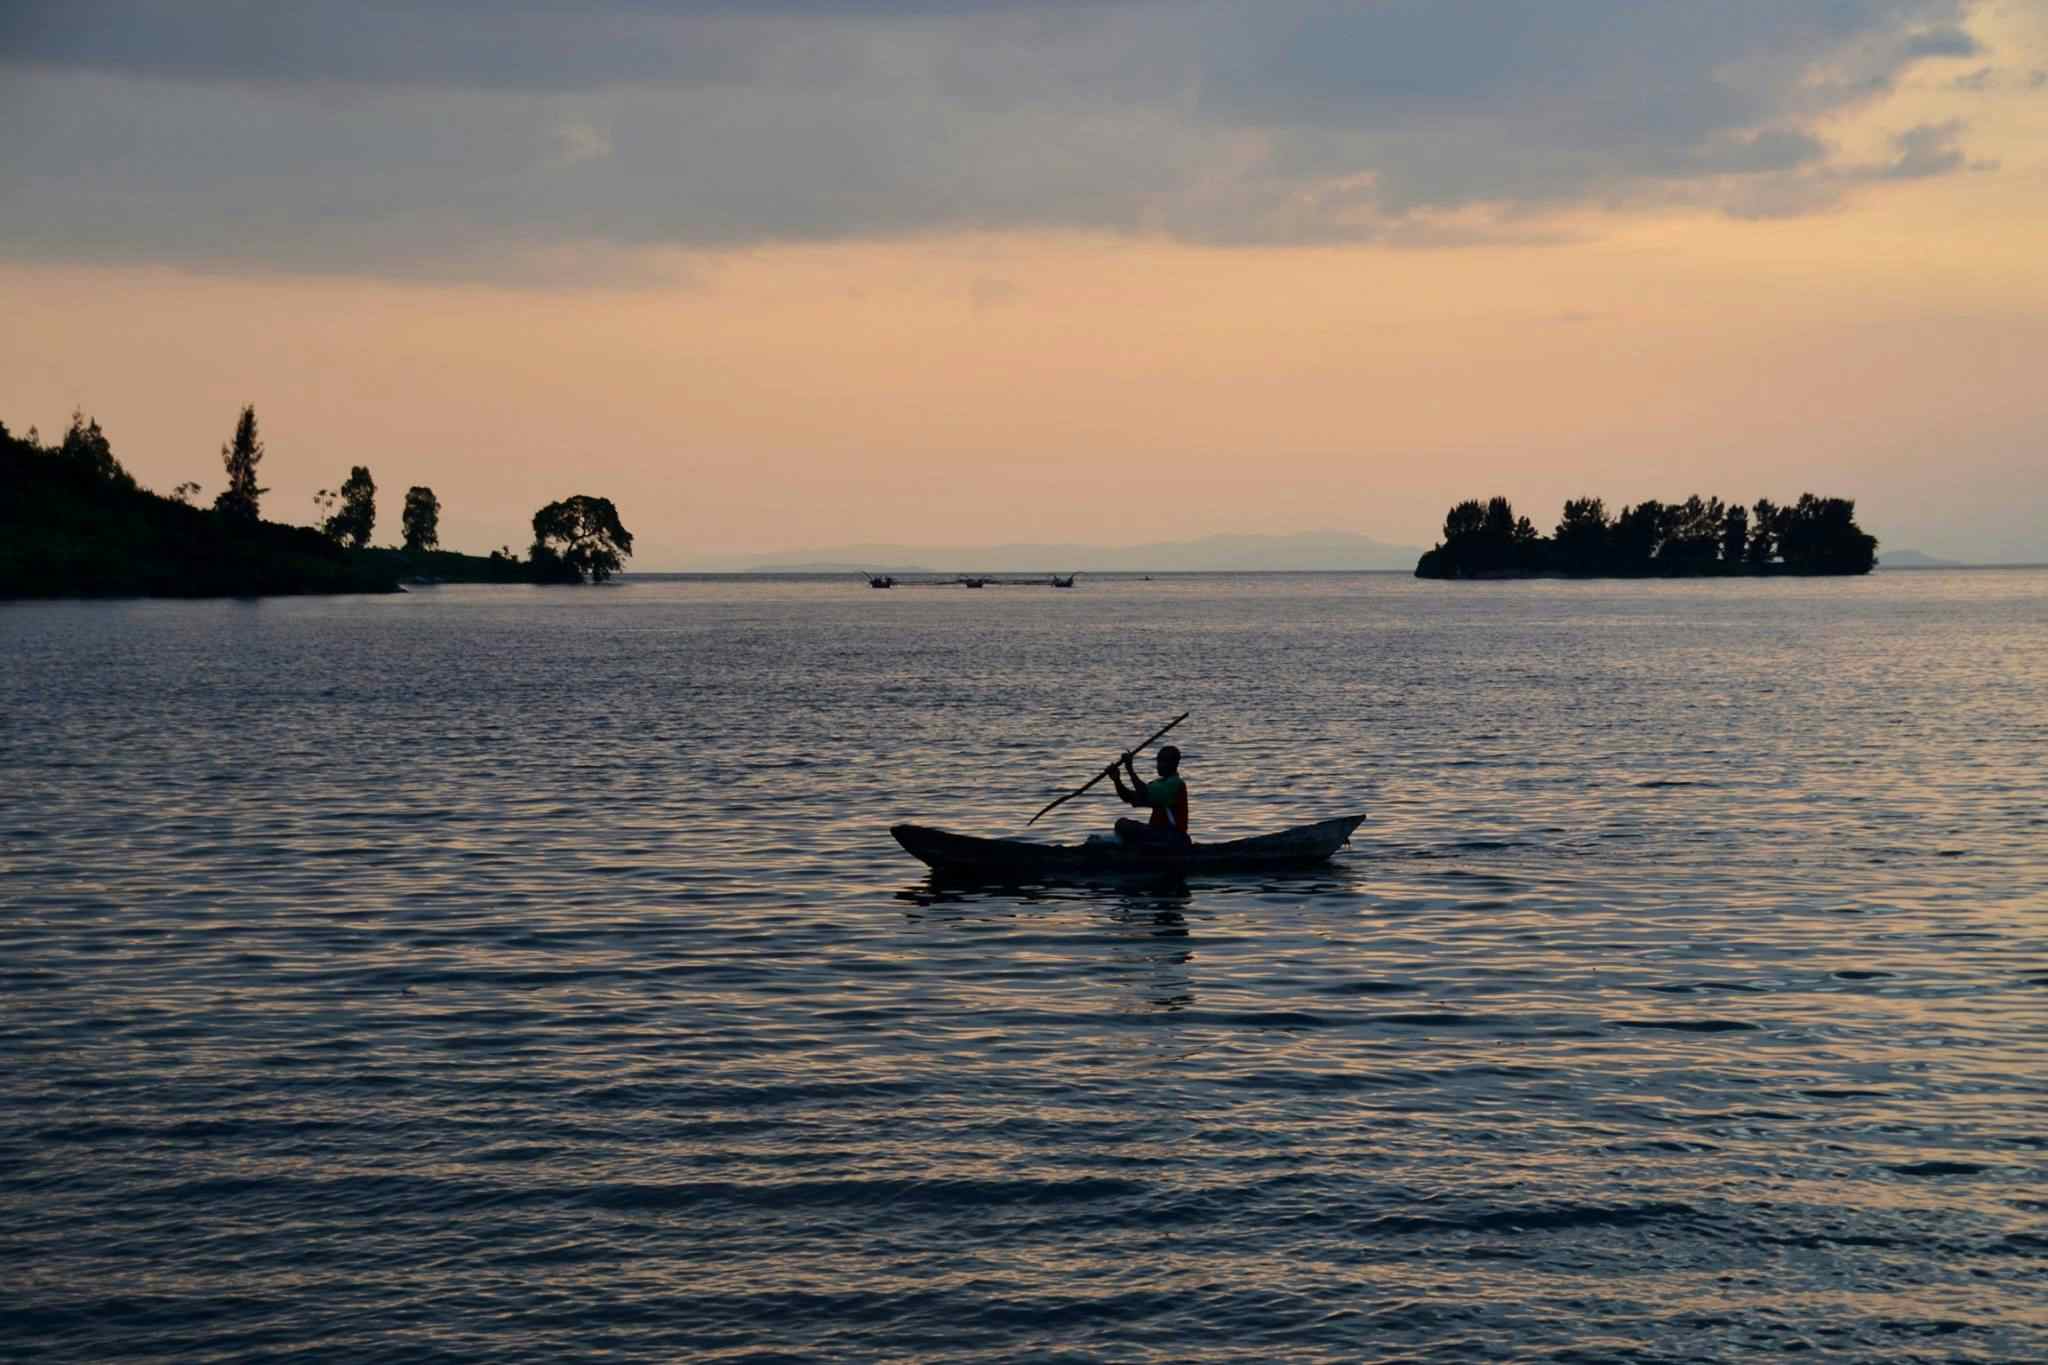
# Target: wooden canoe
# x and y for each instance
(1017, 859)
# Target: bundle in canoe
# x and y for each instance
(963, 854)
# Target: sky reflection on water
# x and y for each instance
(501, 974)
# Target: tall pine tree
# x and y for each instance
(237, 502)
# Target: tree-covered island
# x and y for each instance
(1697, 537)
(75, 523)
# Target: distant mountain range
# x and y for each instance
(1303, 551)
(1912, 559)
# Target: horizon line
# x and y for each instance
(947, 575)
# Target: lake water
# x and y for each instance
(504, 974)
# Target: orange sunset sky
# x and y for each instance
(776, 276)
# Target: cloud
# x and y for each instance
(528, 45)
(1927, 150)
(1946, 41)
(373, 135)
(1922, 152)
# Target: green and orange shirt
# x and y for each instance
(1168, 798)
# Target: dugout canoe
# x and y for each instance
(965, 855)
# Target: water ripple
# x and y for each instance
(506, 974)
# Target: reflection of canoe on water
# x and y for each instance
(963, 853)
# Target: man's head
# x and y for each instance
(1169, 761)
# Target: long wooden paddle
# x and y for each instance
(1105, 772)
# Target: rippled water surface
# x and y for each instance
(504, 974)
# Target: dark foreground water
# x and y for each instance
(528, 975)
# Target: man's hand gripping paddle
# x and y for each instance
(1156, 737)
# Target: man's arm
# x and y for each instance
(1135, 794)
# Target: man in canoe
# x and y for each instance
(1167, 797)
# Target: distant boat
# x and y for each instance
(1066, 582)
(1022, 859)
(879, 580)
(974, 582)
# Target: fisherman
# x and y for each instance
(1167, 797)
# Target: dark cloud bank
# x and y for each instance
(351, 135)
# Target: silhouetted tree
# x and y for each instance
(1693, 533)
(1487, 537)
(1637, 536)
(1763, 533)
(421, 518)
(89, 456)
(1581, 517)
(356, 516)
(1735, 535)
(580, 537)
(1700, 535)
(1528, 550)
(186, 491)
(1581, 536)
(238, 501)
(1500, 518)
(1820, 535)
(74, 523)
(1464, 519)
